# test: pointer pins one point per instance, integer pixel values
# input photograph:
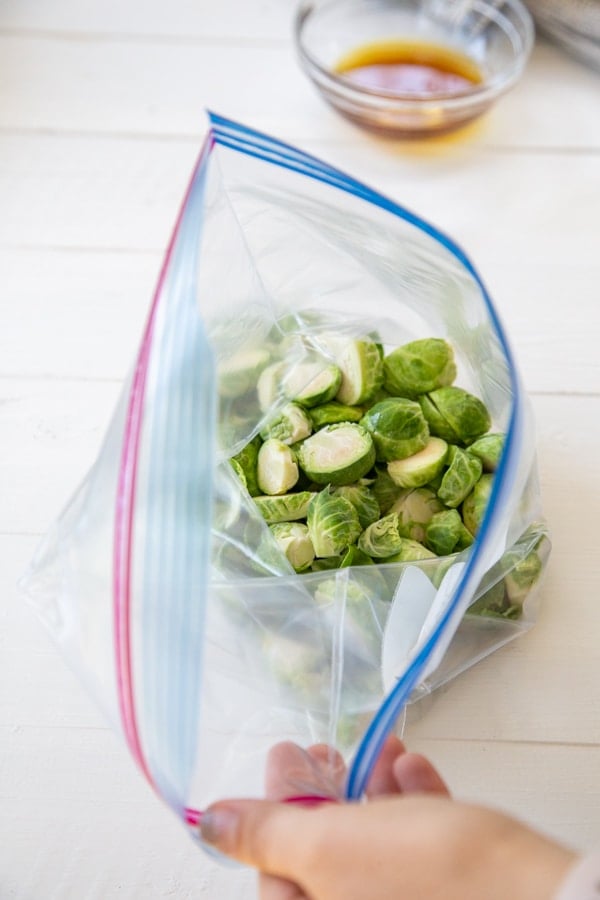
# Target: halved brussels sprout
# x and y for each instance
(285, 507)
(489, 450)
(362, 371)
(496, 603)
(473, 508)
(277, 470)
(247, 461)
(455, 415)
(398, 428)
(332, 523)
(522, 576)
(386, 492)
(355, 557)
(465, 539)
(337, 454)
(382, 538)
(239, 472)
(362, 499)
(461, 476)
(419, 367)
(294, 542)
(312, 383)
(415, 507)
(410, 551)
(290, 425)
(332, 413)
(420, 468)
(239, 373)
(326, 564)
(268, 385)
(443, 531)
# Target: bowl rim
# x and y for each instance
(345, 87)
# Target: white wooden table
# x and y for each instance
(101, 113)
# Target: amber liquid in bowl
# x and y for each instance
(410, 68)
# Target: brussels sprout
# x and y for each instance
(496, 603)
(239, 472)
(337, 454)
(461, 476)
(247, 460)
(268, 385)
(355, 557)
(410, 551)
(334, 412)
(489, 450)
(436, 481)
(285, 507)
(363, 500)
(290, 425)
(415, 508)
(419, 367)
(239, 373)
(325, 564)
(332, 523)
(386, 492)
(419, 469)
(465, 539)
(294, 542)
(455, 415)
(382, 538)
(362, 372)
(300, 665)
(443, 531)
(398, 428)
(277, 470)
(312, 383)
(473, 508)
(376, 398)
(522, 576)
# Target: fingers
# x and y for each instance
(383, 780)
(415, 774)
(292, 771)
(332, 767)
(272, 837)
(270, 888)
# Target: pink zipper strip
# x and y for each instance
(125, 508)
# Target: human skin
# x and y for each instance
(410, 840)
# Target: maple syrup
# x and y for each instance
(412, 68)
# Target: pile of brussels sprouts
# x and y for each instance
(374, 459)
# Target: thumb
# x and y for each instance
(273, 837)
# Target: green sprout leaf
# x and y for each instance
(382, 538)
(332, 523)
(419, 368)
(455, 415)
(398, 428)
(461, 476)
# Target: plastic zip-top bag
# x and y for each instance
(192, 619)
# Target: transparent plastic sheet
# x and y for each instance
(162, 582)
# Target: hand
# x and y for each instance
(409, 841)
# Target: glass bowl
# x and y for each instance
(493, 36)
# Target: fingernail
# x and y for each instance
(218, 826)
